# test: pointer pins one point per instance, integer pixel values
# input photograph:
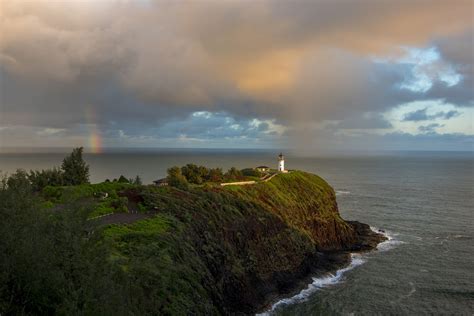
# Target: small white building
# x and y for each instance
(281, 163)
(263, 168)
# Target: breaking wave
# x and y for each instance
(342, 192)
(331, 279)
(318, 283)
(391, 241)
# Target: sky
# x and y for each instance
(311, 76)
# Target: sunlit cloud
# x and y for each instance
(261, 74)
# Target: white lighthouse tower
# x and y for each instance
(281, 163)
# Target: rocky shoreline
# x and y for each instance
(367, 239)
(325, 262)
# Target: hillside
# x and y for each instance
(210, 249)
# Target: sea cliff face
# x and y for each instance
(235, 249)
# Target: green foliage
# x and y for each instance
(75, 169)
(122, 179)
(120, 204)
(298, 191)
(167, 274)
(156, 225)
(52, 193)
(137, 180)
(102, 197)
(251, 172)
(142, 208)
(195, 174)
(215, 175)
(51, 262)
(233, 174)
(103, 208)
(48, 177)
(177, 179)
(205, 246)
(19, 182)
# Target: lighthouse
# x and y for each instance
(281, 163)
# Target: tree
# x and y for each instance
(43, 178)
(75, 169)
(122, 179)
(176, 179)
(203, 172)
(233, 174)
(137, 181)
(193, 173)
(19, 182)
(215, 175)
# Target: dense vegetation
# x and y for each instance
(180, 177)
(73, 171)
(180, 250)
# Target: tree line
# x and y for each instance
(181, 177)
(73, 171)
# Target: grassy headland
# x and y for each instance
(205, 249)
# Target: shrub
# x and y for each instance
(52, 193)
(120, 204)
(215, 175)
(43, 178)
(250, 172)
(233, 174)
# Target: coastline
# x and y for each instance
(342, 262)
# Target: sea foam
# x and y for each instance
(391, 241)
(318, 283)
(332, 279)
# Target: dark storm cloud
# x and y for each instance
(133, 67)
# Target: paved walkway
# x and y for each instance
(238, 183)
(269, 178)
(265, 178)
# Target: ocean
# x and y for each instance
(424, 201)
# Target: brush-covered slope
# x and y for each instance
(217, 250)
(306, 203)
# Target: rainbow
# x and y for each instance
(95, 138)
(95, 142)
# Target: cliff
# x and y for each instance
(222, 250)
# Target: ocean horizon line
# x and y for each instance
(177, 150)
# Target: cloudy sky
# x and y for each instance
(314, 76)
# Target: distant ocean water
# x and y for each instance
(424, 201)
